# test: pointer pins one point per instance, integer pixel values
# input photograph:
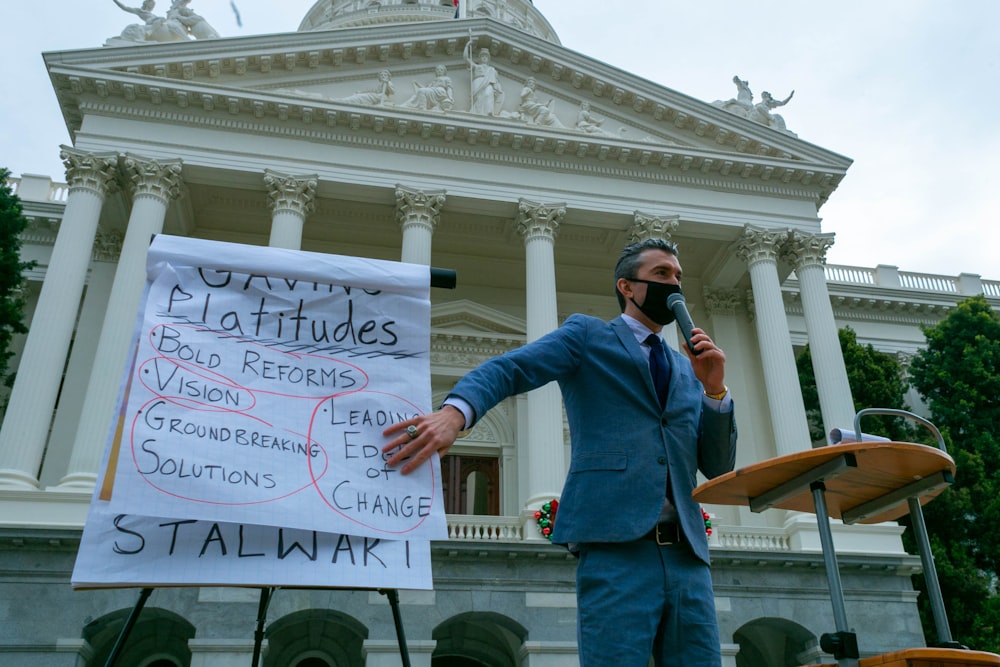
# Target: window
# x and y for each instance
(471, 484)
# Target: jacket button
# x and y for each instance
(663, 421)
(662, 460)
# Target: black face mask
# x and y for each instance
(655, 305)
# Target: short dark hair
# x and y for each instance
(631, 258)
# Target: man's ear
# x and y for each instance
(624, 288)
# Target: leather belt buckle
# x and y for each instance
(667, 534)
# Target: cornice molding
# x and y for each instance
(40, 231)
(444, 137)
(310, 51)
(875, 306)
(466, 351)
(748, 151)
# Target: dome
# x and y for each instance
(331, 14)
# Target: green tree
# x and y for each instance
(12, 223)
(958, 374)
(876, 380)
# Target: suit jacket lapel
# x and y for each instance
(631, 345)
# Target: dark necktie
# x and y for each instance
(659, 367)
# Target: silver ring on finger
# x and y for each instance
(411, 431)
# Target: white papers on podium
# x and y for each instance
(841, 436)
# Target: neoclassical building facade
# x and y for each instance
(391, 130)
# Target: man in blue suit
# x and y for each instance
(640, 430)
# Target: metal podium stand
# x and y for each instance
(861, 482)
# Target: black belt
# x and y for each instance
(665, 534)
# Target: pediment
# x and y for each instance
(580, 108)
(464, 317)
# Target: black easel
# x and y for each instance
(266, 594)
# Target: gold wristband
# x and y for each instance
(720, 395)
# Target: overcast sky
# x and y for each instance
(908, 89)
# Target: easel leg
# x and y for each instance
(258, 635)
(127, 628)
(393, 596)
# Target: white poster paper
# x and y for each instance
(253, 414)
(119, 550)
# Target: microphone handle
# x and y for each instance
(676, 303)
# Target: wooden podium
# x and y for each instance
(859, 482)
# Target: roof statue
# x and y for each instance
(492, 86)
(377, 96)
(487, 93)
(181, 23)
(534, 112)
(743, 105)
(437, 94)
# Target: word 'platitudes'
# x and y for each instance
(281, 322)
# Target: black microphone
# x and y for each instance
(677, 304)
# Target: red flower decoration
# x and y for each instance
(546, 518)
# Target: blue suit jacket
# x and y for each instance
(623, 444)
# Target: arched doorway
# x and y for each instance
(775, 642)
(478, 639)
(158, 639)
(315, 638)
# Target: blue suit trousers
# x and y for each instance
(639, 599)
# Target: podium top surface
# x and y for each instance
(937, 657)
(871, 481)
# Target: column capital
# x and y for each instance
(759, 245)
(648, 226)
(418, 206)
(720, 301)
(538, 221)
(108, 245)
(160, 179)
(289, 192)
(803, 250)
(95, 172)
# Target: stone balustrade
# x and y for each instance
(468, 528)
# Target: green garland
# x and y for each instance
(546, 519)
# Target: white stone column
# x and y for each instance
(759, 248)
(100, 278)
(292, 199)
(538, 223)
(418, 213)
(154, 184)
(727, 311)
(807, 253)
(33, 398)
